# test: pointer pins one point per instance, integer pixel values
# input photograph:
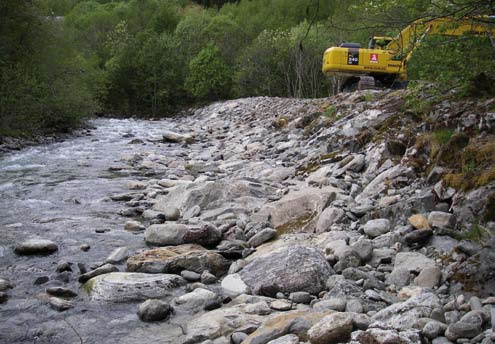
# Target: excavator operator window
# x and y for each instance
(350, 45)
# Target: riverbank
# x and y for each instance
(258, 220)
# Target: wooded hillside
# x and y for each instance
(61, 60)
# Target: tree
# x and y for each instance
(209, 76)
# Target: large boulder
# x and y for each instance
(175, 259)
(377, 227)
(379, 184)
(297, 210)
(333, 328)
(296, 268)
(386, 336)
(171, 234)
(212, 194)
(132, 286)
(328, 217)
(405, 315)
(219, 322)
(277, 325)
(196, 299)
(173, 137)
(412, 261)
(36, 246)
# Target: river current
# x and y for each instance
(61, 192)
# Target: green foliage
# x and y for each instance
(62, 59)
(442, 136)
(209, 76)
(51, 87)
(446, 59)
(330, 112)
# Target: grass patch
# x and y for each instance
(443, 136)
(369, 97)
(475, 233)
(330, 112)
(475, 166)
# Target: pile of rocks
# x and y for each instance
(269, 222)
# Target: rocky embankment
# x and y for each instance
(362, 218)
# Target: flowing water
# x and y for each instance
(61, 192)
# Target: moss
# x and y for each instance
(308, 168)
(443, 136)
(369, 97)
(486, 177)
(297, 225)
(476, 233)
(450, 154)
(475, 167)
(89, 286)
(330, 112)
(316, 163)
(458, 181)
(309, 128)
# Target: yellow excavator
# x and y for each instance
(384, 62)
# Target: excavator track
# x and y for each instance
(358, 83)
(366, 83)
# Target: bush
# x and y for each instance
(209, 76)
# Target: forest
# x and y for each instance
(64, 60)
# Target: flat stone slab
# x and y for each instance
(132, 286)
(175, 259)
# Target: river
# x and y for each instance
(61, 192)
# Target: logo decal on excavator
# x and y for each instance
(373, 58)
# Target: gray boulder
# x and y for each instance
(385, 336)
(328, 217)
(263, 236)
(377, 227)
(130, 286)
(233, 285)
(333, 328)
(441, 219)
(429, 277)
(412, 261)
(287, 339)
(170, 234)
(154, 310)
(405, 315)
(469, 326)
(104, 269)
(296, 268)
(195, 299)
(173, 137)
(296, 210)
(36, 246)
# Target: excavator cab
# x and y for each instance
(377, 42)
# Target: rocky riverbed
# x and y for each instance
(255, 221)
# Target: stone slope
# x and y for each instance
(340, 219)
